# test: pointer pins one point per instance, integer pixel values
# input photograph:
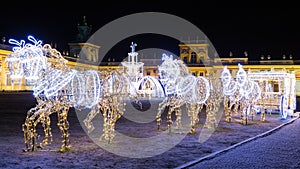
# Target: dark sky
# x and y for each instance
(256, 27)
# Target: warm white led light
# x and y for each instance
(242, 91)
(181, 87)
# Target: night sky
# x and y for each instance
(255, 27)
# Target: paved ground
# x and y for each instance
(277, 149)
(86, 154)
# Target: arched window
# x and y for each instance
(185, 60)
(193, 57)
(201, 57)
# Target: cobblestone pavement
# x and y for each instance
(279, 148)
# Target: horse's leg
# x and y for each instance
(30, 135)
(242, 112)
(178, 116)
(215, 111)
(192, 112)
(198, 110)
(63, 125)
(107, 122)
(169, 117)
(210, 115)
(227, 107)
(34, 116)
(161, 108)
(111, 124)
(236, 108)
(245, 114)
(88, 120)
(233, 106)
(116, 113)
(47, 130)
(115, 116)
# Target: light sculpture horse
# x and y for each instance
(116, 87)
(212, 104)
(181, 87)
(231, 93)
(56, 88)
(243, 92)
(250, 92)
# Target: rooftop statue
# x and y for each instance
(84, 31)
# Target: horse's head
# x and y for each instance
(241, 76)
(26, 60)
(169, 70)
(225, 76)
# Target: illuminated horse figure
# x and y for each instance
(181, 87)
(115, 87)
(56, 88)
(231, 93)
(249, 92)
(243, 92)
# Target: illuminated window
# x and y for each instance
(8, 79)
(275, 87)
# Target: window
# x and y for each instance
(8, 79)
(201, 58)
(275, 87)
(185, 59)
(29, 83)
(193, 57)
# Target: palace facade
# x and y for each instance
(83, 56)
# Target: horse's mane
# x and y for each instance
(184, 71)
(50, 52)
(178, 64)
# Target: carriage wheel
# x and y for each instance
(283, 113)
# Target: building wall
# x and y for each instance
(198, 70)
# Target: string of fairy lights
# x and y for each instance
(57, 88)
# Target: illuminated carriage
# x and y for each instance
(278, 92)
(146, 86)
